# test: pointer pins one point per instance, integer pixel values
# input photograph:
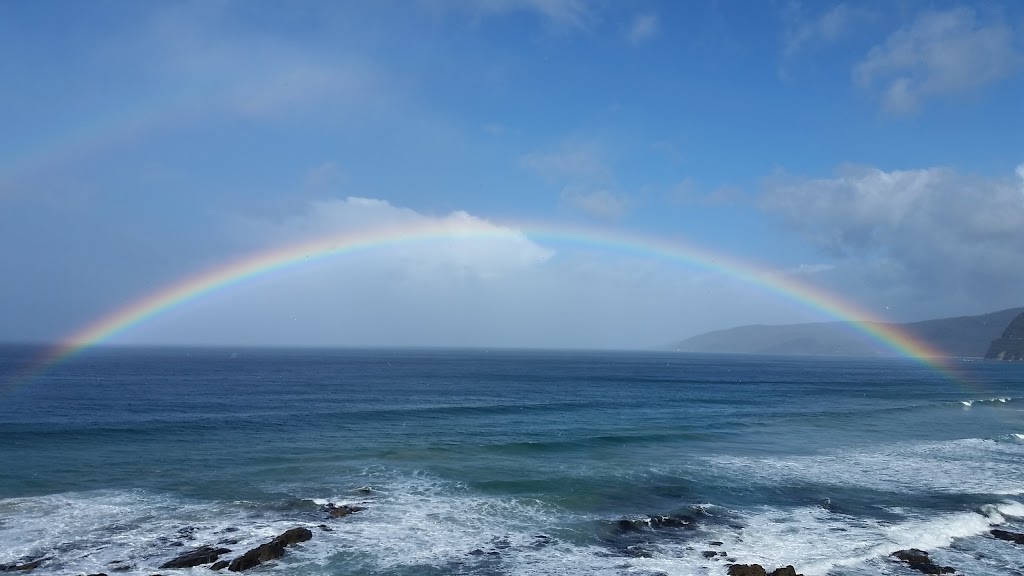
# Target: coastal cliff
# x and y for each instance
(1011, 345)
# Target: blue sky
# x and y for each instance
(872, 149)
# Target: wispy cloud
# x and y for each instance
(585, 178)
(941, 52)
(643, 27)
(801, 31)
(559, 15)
(600, 203)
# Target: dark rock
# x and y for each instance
(1011, 345)
(785, 571)
(270, 550)
(746, 570)
(477, 552)
(672, 522)
(709, 553)
(341, 511)
(228, 541)
(919, 560)
(24, 566)
(201, 555)
(294, 536)
(219, 565)
(714, 543)
(325, 528)
(656, 522)
(1015, 537)
(97, 574)
(257, 556)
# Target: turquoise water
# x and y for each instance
(505, 462)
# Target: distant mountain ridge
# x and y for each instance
(1010, 346)
(962, 336)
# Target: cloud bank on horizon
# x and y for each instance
(868, 150)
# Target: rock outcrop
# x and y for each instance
(1011, 345)
(758, 570)
(201, 555)
(919, 560)
(270, 550)
(1015, 537)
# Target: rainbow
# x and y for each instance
(463, 226)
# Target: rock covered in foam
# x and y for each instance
(335, 511)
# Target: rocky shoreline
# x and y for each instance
(633, 537)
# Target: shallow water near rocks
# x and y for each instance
(509, 462)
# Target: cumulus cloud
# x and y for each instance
(941, 52)
(936, 232)
(643, 27)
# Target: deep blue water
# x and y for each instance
(509, 462)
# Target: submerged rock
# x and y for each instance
(1015, 537)
(23, 565)
(270, 550)
(340, 511)
(219, 565)
(201, 555)
(919, 560)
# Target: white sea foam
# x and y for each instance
(817, 541)
(971, 465)
(967, 403)
(423, 521)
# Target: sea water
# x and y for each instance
(509, 462)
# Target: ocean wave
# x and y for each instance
(996, 400)
(966, 466)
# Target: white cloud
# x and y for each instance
(938, 234)
(643, 27)
(600, 203)
(471, 245)
(941, 52)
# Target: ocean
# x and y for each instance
(501, 462)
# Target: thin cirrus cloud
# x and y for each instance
(940, 52)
